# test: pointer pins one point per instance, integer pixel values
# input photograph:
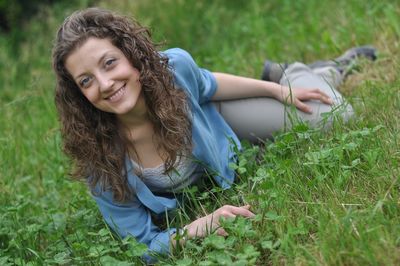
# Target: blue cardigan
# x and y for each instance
(213, 142)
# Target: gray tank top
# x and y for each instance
(184, 174)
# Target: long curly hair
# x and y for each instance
(92, 138)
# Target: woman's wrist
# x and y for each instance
(273, 90)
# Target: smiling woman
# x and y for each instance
(106, 78)
(142, 125)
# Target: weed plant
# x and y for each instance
(321, 198)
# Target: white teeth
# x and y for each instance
(116, 95)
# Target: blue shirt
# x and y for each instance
(213, 142)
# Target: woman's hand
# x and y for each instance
(208, 224)
(296, 96)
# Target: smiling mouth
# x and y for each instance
(117, 95)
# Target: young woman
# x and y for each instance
(141, 125)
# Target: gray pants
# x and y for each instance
(258, 118)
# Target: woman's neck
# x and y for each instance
(140, 133)
(137, 117)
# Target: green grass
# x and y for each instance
(321, 198)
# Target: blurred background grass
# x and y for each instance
(43, 215)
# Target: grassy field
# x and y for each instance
(321, 198)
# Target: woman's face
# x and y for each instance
(105, 76)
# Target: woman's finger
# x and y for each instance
(303, 107)
(317, 96)
(318, 91)
(243, 211)
(221, 232)
(303, 94)
(325, 97)
(327, 100)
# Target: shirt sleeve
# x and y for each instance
(133, 218)
(199, 82)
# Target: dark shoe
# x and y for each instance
(354, 53)
(348, 61)
(273, 71)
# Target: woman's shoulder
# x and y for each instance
(188, 75)
(179, 59)
(176, 52)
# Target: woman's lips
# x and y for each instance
(117, 95)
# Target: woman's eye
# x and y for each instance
(84, 82)
(109, 62)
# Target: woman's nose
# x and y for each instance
(105, 83)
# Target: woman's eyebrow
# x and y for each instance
(105, 54)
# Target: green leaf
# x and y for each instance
(350, 146)
(233, 166)
(110, 261)
(271, 215)
(62, 258)
(214, 241)
(224, 259)
(59, 221)
(267, 244)
(104, 232)
(184, 262)
(5, 261)
(206, 263)
(249, 251)
(135, 248)
(242, 170)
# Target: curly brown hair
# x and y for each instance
(92, 138)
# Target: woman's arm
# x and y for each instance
(232, 87)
